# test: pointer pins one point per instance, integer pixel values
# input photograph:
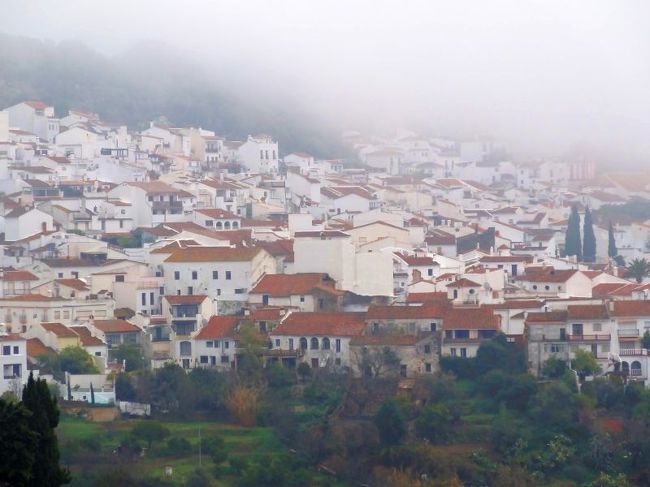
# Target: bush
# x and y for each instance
(177, 446)
(390, 423)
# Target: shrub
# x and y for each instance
(178, 446)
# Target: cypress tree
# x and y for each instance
(589, 238)
(46, 471)
(17, 444)
(612, 251)
(573, 242)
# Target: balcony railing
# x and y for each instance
(630, 352)
(589, 338)
(628, 333)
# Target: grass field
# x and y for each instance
(88, 446)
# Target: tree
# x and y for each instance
(390, 423)
(17, 444)
(573, 242)
(250, 362)
(215, 447)
(646, 339)
(149, 431)
(131, 355)
(553, 368)
(46, 470)
(304, 370)
(589, 238)
(377, 362)
(585, 364)
(639, 269)
(242, 405)
(612, 251)
(435, 422)
(75, 360)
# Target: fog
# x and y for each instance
(543, 75)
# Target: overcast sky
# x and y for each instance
(541, 74)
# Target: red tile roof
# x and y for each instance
(77, 284)
(378, 312)
(36, 348)
(470, 319)
(214, 254)
(414, 260)
(553, 276)
(87, 340)
(293, 284)
(464, 282)
(266, 314)
(587, 312)
(321, 324)
(186, 299)
(116, 326)
(631, 308)
(59, 330)
(219, 327)
(547, 317)
(427, 297)
(517, 304)
(18, 276)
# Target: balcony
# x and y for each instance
(632, 352)
(628, 333)
(589, 338)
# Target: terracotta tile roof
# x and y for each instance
(18, 276)
(293, 284)
(36, 348)
(427, 297)
(506, 258)
(547, 317)
(214, 254)
(266, 314)
(32, 298)
(553, 276)
(59, 330)
(218, 213)
(77, 284)
(587, 312)
(10, 337)
(613, 289)
(116, 326)
(278, 248)
(219, 327)
(631, 308)
(378, 312)
(464, 282)
(321, 324)
(87, 340)
(470, 319)
(186, 299)
(413, 260)
(516, 304)
(36, 104)
(384, 340)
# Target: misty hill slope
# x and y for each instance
(144, 83)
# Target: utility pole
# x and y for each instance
(200, 459)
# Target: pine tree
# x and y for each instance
(589, 238)
(46, 471)
(17, 444)
(573, 242)
(612, 251)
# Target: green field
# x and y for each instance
(88, 446)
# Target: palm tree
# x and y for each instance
(638, 269)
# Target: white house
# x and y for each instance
(13, 362)
(36, 117)
(259, 154)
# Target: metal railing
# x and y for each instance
(588, 338)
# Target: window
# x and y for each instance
(190, 290)
(430, 272)
(277, 342)
(302, 299)
(228, 275)
(337, 362)
(290, 343)
(452, 351)
(119, 278)
(177, 275)
(547, 288)
(240, 290)
(326, 343)
(186, 348)
(463, 352)
(215, 275)
(203, 359)
(6, 350)
(195, 275)
(535, 287)
(66, 315)
(226, 344)
(427, 367)
(209, 344)
(218, 292)
(98, 354)
(598, 327)
(314, 344)
(161, 291)
(57, 315)
(427, 348)
(557, 347)
(338, 345)
(143, 299)
(209, 223)
(433, 326)
(16, 350)
(303, 343)
(224, 359)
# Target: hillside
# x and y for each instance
(148, 81)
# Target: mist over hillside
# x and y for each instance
(149, 80)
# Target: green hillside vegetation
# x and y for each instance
(147, 82)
